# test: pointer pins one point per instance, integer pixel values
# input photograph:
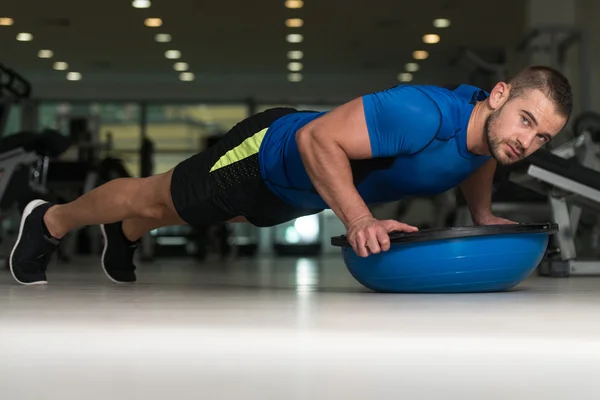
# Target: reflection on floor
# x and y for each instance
(291, 329)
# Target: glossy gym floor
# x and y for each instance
(291, 328)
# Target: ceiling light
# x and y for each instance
(61, 66)
(295, 55)
(431, 38)
(153, 22)
(24, 37)
(186, 76)
(181, 66)
(173, 54)
(294, 3)
(141, 3)
(163, 38)
(441, 23)
(420, 54)
(405, 77)
(412, 67)
(294, 77)
(294, 38)
(45, 54)
(6, 21)
(294, 23)
(74, 76)
(295, 66)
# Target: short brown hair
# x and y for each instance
(549, 81)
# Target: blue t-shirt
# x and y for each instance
(418, 136)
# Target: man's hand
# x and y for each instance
(368, 235)
(493, 220)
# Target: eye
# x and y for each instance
(525, 120)
(543, 138)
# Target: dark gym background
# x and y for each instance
(92, 91)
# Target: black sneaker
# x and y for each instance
(117, 256)
(34, 246)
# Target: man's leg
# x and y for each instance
(215, 185)
(121, 241)
(44, 224)
(117, 200)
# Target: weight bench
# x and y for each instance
(570, 187)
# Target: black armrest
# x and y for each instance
(568, 168)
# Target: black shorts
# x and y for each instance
(224, 181)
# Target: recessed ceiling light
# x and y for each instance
(153, 22)
(295, 66)
(74, 76)
(173, 54)
(186, 76)
(441, 23)
(141, 3)
(412, 67)
(405, 77)
(181, 66)
(61, 66)
(295, 55)
(294, 77)
(294, 22)
(294, 38)
(4, 21)
(163, 37)
(24, 37)
(45, 54)
(294, 3)
(431, 38)
(420, 54)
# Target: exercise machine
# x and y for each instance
(568, 177)
(23, 159)
(13, 89)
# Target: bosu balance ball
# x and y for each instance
(470, 259)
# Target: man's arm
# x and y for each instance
(477, 190)
(326, 146)
(392, 122)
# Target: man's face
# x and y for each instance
(521, 126)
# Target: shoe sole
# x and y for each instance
(102, 259)
(30, 207)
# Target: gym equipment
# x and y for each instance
(13, 88)
(14, 84)
(567, 177)
(587, 122)
(452, 260)
(23, 164)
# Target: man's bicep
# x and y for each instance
(345, 126)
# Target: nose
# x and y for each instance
(525, 140)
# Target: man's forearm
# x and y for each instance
(328, 167)
(477, 190)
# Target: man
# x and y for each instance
(409, 140)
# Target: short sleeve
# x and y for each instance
(400, 120)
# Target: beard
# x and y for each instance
(495, 143)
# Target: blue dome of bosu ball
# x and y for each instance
(470, 259)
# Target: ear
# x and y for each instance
(499, 95)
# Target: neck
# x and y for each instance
(476, 141)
